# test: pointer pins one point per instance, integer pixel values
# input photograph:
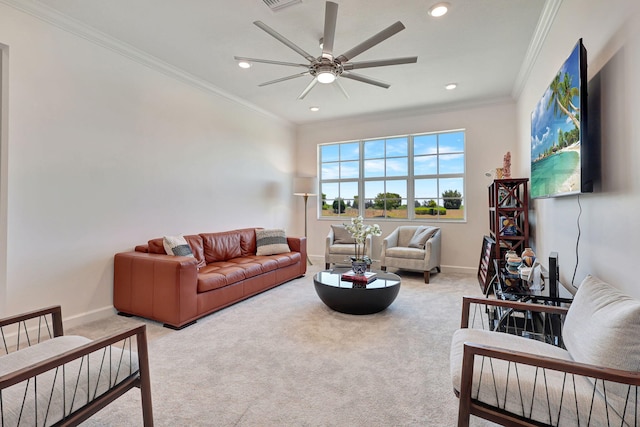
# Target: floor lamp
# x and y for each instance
(305, 187)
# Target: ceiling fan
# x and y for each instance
(327, 68)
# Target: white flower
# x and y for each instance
(359, 231)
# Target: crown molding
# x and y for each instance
(51, 16)
(548, 15)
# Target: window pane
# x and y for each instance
(350, 151)
(329, 153)
(349, 170)
(452, 142)
(425, 165)
(373, 188)
(426, 189)
(374, 149)
(397, 167)
(397, 187)
(397, 147)
(348, 190)
(330, 190)
(451, 163)
(451, 184)
(425, 144)
(330, 171)
(373, 168)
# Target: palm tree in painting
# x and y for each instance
(561, 94)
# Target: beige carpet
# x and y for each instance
(282, 358)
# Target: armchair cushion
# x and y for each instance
(421, 236)
(341, 235)
(602, 327)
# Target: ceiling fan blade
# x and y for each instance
(365, 79)
(379, 63)
(371, 41)
(344, 92)
(282, 79)
(308, 88)
(330, 19)
(284, 40)
(268, 61)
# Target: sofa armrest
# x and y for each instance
(391, 241)
(467, 301)
(156, 286)
(299, 244)
(43, 314)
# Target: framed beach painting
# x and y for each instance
(558, 124)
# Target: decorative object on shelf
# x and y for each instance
(510, 253)
(528, 257)
(499, 173)
(359, 231)
(506, 165)
(508, 226)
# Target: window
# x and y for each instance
(410, 177)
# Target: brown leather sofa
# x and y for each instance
(178, 290)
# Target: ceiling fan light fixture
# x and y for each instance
(439, 9)
(326, 77)
(244, 64)
(451, 86)
(314, 109)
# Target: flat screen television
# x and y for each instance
(561, 152)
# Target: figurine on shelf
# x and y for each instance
(506, 165)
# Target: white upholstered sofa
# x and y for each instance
(411, 247)
(591, 380)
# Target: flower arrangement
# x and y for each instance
(359, 231)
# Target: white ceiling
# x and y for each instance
(481, 45)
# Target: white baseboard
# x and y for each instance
(87, 317)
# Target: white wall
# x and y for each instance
(609, 227)
(490, 133)
(105, 153)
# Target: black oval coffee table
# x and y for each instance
(353, 297)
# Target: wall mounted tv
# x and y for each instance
(561, 152)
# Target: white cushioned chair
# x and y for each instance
(592, 380)
(340, 246)
(411, 247)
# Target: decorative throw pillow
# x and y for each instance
(341, 235)
(421, 236)
(271, 242)
(176, 245)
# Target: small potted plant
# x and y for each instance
(359, 231)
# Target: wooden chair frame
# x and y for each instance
(469, 406)
(139, 379)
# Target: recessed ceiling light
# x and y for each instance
(244, 64)
(451, 86)
(314, 108)
(439, 9)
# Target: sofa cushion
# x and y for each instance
(219, 278)
(601, 328)
(156, 246)
(221, 246)
(341, 235)
(420, 237)
(176, 245)
(248, 241)
(268, 263)
(271, 242)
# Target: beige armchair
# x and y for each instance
(590, 376)
(412, 247)
(340, 246)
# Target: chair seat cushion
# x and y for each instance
(81, 378)
(407, 253)
(532, 393)
(341, 249)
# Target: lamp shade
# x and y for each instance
(305, 186)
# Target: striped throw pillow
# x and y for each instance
(271, 242)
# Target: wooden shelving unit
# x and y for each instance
(509, 215)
